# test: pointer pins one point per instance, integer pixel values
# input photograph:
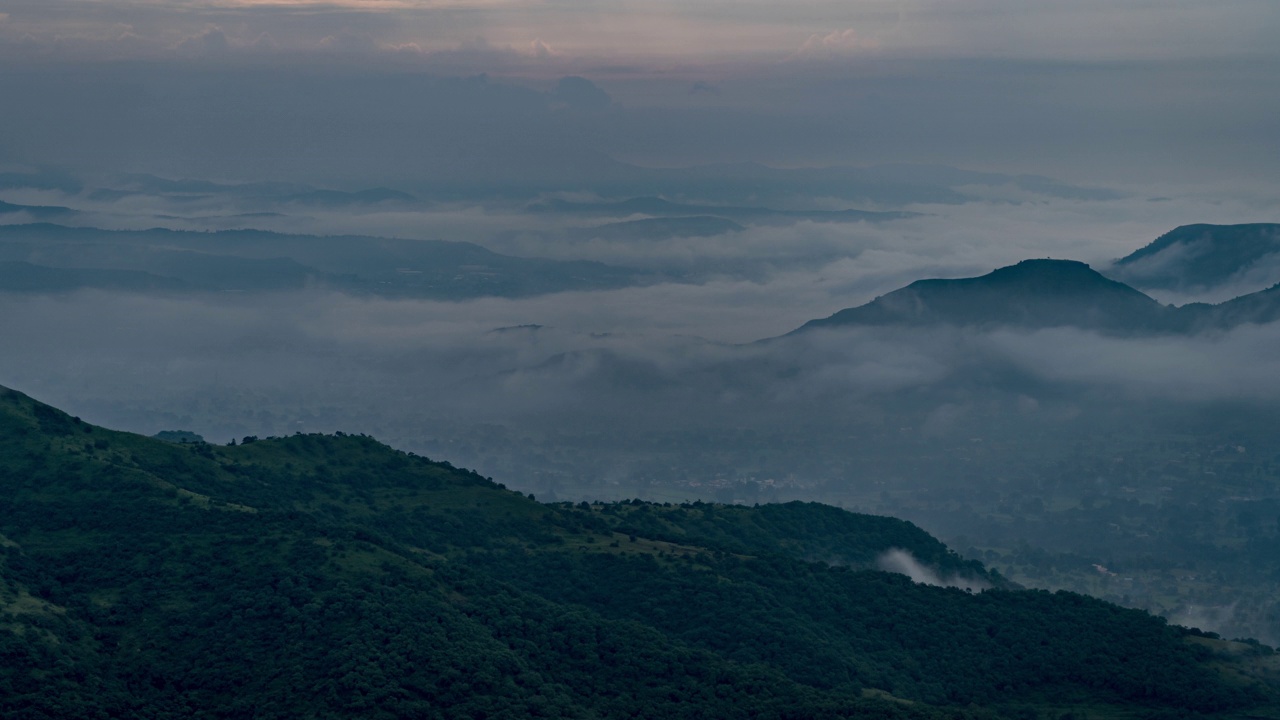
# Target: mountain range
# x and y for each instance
(38, 212)
(1032, 294)
(332, 576)
(542, 172)
(1035, 294)
(254, 260)
(662, 208)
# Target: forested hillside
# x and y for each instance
(332, 576)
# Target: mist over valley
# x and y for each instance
(1043, 406)
(508, 350)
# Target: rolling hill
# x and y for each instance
(1035, 294)
(332, 576)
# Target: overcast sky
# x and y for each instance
(658, 31)
(1139, 91)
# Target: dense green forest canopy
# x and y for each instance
(332, 576)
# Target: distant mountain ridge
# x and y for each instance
(659, 228)
(277, 191)
(59, 258)
(536, 171)
(1036, 294)
(39, 212)
(24, 277)
(1204, 256)
(663, 208)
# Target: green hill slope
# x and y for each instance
(331, 576)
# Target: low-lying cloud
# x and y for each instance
(633, 353)
(903, 562)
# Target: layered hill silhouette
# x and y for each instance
(662, 208)
(1035, 294)
(1204, 256)
(277, 192)
(54, 258)
(659, 228)
(45, 257)
(39, 212)
(332, 576)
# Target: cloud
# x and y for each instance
(1242, 364)
(351, 4)
(211, 42)
(580, 93)
(1076, 121)
(540, 50)
(663, 30)
(1210, 618)
(351, 42)
(903, 562)
(838, 43)
(477, 55)
(658, 355)
(336, 362)
(264, 41)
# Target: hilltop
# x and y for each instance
(331, 576)
(1035, 294)
(1032, 293)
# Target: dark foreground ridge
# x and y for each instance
(331, 576)
(1037, 294)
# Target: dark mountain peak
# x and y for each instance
(1045, 267)
(1053, 293)
(1043, 276)
(1033, 293)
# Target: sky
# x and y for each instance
(660, 31)
(1088, 91)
